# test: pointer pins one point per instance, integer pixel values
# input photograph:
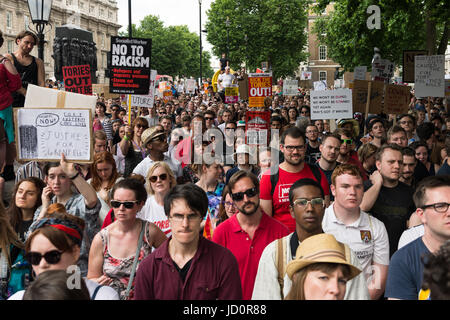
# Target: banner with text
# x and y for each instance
(290, 87)
(331, 104)
(145, 101)
(130, 65)
(360, 92)
(232, 93)
(78, 79)
(382, 70)
(259, 87)
(257, 124)
(429, 76)
(408, 64)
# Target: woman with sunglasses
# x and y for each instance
(54, 244)
(117, 250)
(131, 145)
(160, 181)
(104, 177)
(26, 198)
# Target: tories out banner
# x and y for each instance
(78, 79)
(259, 87)
(130, 65)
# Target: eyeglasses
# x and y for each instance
(440, 207)
(228, 204)
(405, 122)
(239, 196)
(229, 128)
(347, 141)
(316, 202)
(179, 218)
(52, 257)
(161, 177)
(139, 126)
(292, 148)
(209, 118)
(126, 204)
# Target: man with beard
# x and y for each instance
(409, 165)
(249, 231)
(275, 187)
(329, 149)
(386, 197)
(307, 206)
(313, 144)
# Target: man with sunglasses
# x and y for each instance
(347, 153)
(365, 235)
(275, 186)
(248, 232)
(154, 140)
(407, 264)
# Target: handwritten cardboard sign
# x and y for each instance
(331, 104)
(382, 70)
(429, 76)
(396, 99)
(130, 65)
(290, 87)
(360, 91)
(78, 79)
(44, 134)
(408, 64)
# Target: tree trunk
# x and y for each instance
(444, 40)
(430, 26)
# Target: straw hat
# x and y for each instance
(150, 134)
(321, 248)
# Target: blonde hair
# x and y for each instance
(165, 166)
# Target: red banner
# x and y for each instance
(78, 79)
(257, 124)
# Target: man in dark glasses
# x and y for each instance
(248, 232)
(154, 140)
(347, 153)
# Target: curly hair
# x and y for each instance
(436, 273)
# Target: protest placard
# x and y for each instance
(145, 101)
(190, 86)
(259, 87)
(44, 134)
(243, 87)
(331, 104)
(232, 94)
(429, 76)
(408, 64)
(382, 70)
(396, 99)
(257, 125)
(290, 87)
(360, 91)
(77, 79)
(320, 85)
(360, 73)
(306, 75)
(130, 65)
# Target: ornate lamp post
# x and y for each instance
(40, 15)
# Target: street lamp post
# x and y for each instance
(227, 22)
(40, 15)
(200, 35)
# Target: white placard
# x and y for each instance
(190, 86)
(360, 73)
(306, 75)
(320, 85)
(290, 87)
(429, 75)
(382, 70)
(43, 134)
(331, 104)
(145, 101)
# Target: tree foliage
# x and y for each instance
(175, 50)
(405, 25)
(263, 30)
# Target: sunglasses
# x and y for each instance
(160, 139)
(347, 141)
(52, 257)
(161, 177)
(239, 196)
(126, 204)
(139, 126)
(208, 118)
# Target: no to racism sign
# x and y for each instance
(78, 79)
(130, 65)
(259, 87)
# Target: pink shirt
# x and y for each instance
(248, 251)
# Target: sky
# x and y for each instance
(171, 12)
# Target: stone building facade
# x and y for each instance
(97, 16)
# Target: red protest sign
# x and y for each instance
(257, 125)
(259, 87)
(78, 79)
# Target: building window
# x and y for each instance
(322, 52)
(10, 46)
(92, 10)
(26, 22)
(101, 12)
(81, 5)
(322, 75)
(68, 2)
(8, 19)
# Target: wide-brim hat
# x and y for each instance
(321, 248)
(150, 134)
(354, 123)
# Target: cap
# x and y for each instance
(354, 122)
(241, 123)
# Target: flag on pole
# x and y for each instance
(208, 229)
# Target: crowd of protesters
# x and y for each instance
(179, 205)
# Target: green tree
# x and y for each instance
(264, 30)
(405, 25)
(175, 50)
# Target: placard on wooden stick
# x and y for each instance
(44, 134)
(396, 99)
(360, 92)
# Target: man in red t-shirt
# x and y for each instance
(276, 203)
(249, 231)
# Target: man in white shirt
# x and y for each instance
(364, 234)
(225, 80)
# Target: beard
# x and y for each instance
(249, 212)
(294, 162)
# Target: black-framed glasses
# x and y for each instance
(209, 118)
(52, 257)
(292, 148)
(347, 141)
(440, 207)
(315, 202)
(161, 177)
(127, 204)
(239, 196)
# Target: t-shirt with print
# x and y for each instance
(280, 197)
(405, 274)
(154, 212)
(312, 154)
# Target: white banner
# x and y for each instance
(290, 87)
(360, 73)
(331, 104)
(190, 85)
(429, 76)
(320, 85)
